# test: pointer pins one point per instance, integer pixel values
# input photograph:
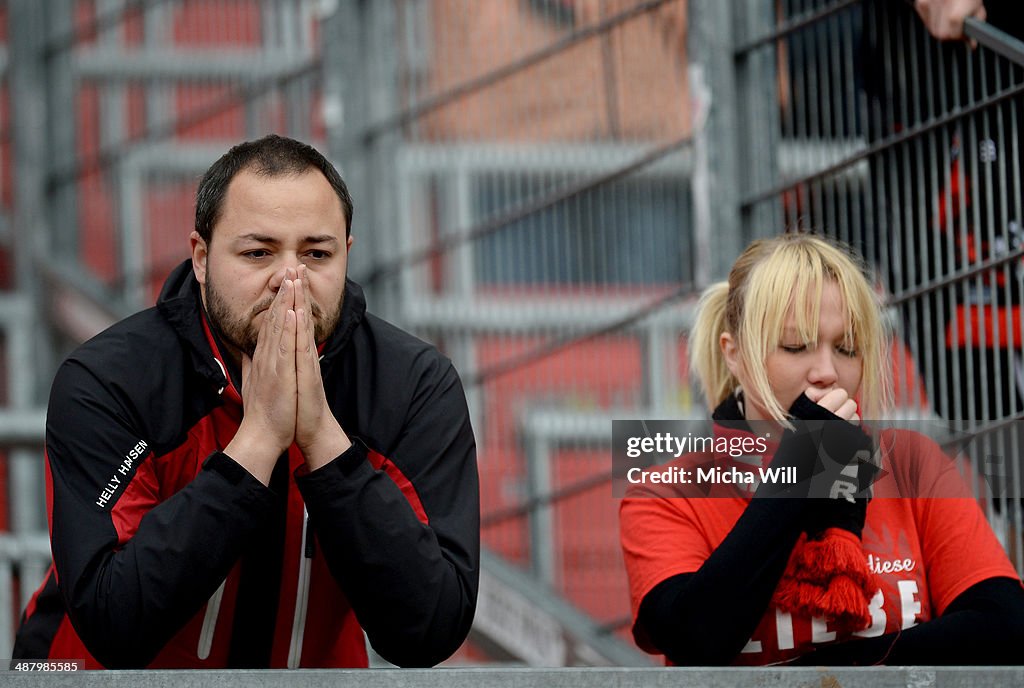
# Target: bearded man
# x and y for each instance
(256, 471)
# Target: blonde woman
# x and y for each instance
(904, 572)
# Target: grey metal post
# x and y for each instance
(661, 370)
(346, 113)
(29, 114)
(57, 78)
(28, 71)
(113, 127)
(382, 85)
(460, 279)
(360, 84)
(159, 98)
(757, 102)
(130, 197)
(716, 146)
(294, 39)
(541, 519)
(130, 232)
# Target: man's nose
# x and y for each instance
(286, 271)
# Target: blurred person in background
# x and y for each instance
(904, 571)
(257, 470)
(951, 198)
(944, 19)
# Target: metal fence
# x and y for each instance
(520, 170)
(542, 187)
(542, 184)
(908, 150)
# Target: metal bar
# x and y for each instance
(718, 170)
(993, 372)
(791, 26)
(1004, 364)
(30, 143)
(944, 300)
(22, 428)
(27, 546)
(615, 625)
(956, 277)
(484, 314)
(195, 64)
(529, 505)
(100, 23)
(546, 350)
(759, 114)
(519, 610)
(6, 606)
(904, 89)
(971, 165)
(537, 157)
(541, 520)
(624, 673)
(166, 130)
(995, 40)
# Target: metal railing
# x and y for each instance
(873, 677)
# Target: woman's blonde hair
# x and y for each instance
(767, 280)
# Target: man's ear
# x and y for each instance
(348, 243)
(200, 253)
(731, 353)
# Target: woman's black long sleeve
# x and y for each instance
(983, 625)
(706, 617)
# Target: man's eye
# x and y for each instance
(319, 255)
(256, 254)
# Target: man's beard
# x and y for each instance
(242, 334)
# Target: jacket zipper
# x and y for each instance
(302, 593)
(210, 622)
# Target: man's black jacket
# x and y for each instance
(168, 553)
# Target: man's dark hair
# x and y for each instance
(270, 156)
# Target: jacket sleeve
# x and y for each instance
(411, 577)
(132, 567)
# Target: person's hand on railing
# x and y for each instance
(944, 19)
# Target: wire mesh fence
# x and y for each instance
(907, 149)
(546, 161)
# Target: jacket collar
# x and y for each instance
(730, 422)
(729, 410)
(180, 302)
